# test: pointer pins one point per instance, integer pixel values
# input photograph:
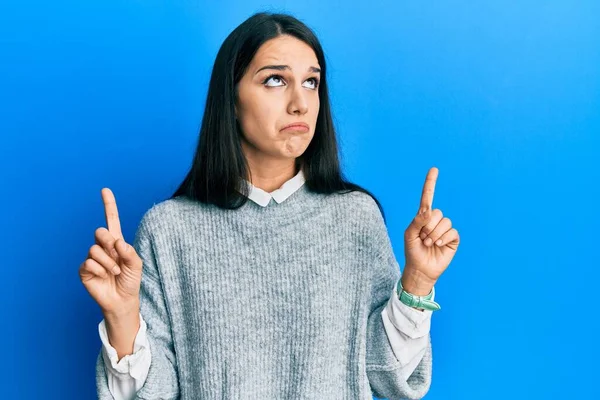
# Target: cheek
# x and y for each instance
(260, 118)
(254, 124)
(315, 107)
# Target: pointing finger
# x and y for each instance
(428, 189)
(111, 213)
(412, 232)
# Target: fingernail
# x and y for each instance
(428, 242)
(423, 235)
(124, 246)
(116, 270)
(439, 242)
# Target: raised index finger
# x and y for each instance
(428, 189)
(111, 213)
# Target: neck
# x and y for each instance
(271, 176)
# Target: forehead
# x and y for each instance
(285, 49)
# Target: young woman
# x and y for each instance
(267, 275)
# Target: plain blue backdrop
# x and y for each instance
(502, 96)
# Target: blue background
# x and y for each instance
(502, 96)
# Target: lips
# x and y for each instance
(296, 126)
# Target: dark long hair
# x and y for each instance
(219, 162)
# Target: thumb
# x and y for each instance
(127, 254)
(418, 222)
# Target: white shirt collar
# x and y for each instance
(262, 198)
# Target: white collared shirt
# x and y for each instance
(406, 328)
(262, 198)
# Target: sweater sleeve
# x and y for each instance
(162, 379)
(394, 372)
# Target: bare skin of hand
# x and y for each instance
(112, 274)
(430, 243)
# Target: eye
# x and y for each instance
(278, 78)
(272, 77)
(315, 82)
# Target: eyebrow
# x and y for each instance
(284, 67)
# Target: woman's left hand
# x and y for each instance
(430, 243)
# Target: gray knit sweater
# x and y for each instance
(278, 302)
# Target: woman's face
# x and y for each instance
(267, 103)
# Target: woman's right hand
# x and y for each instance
(112, 272)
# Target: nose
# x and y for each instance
(298, 103)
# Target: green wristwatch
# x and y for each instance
(411, 300)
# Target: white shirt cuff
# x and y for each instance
(408, 320)
(134, 365)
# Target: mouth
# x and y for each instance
(296, 127)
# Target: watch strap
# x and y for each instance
(411, 300)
